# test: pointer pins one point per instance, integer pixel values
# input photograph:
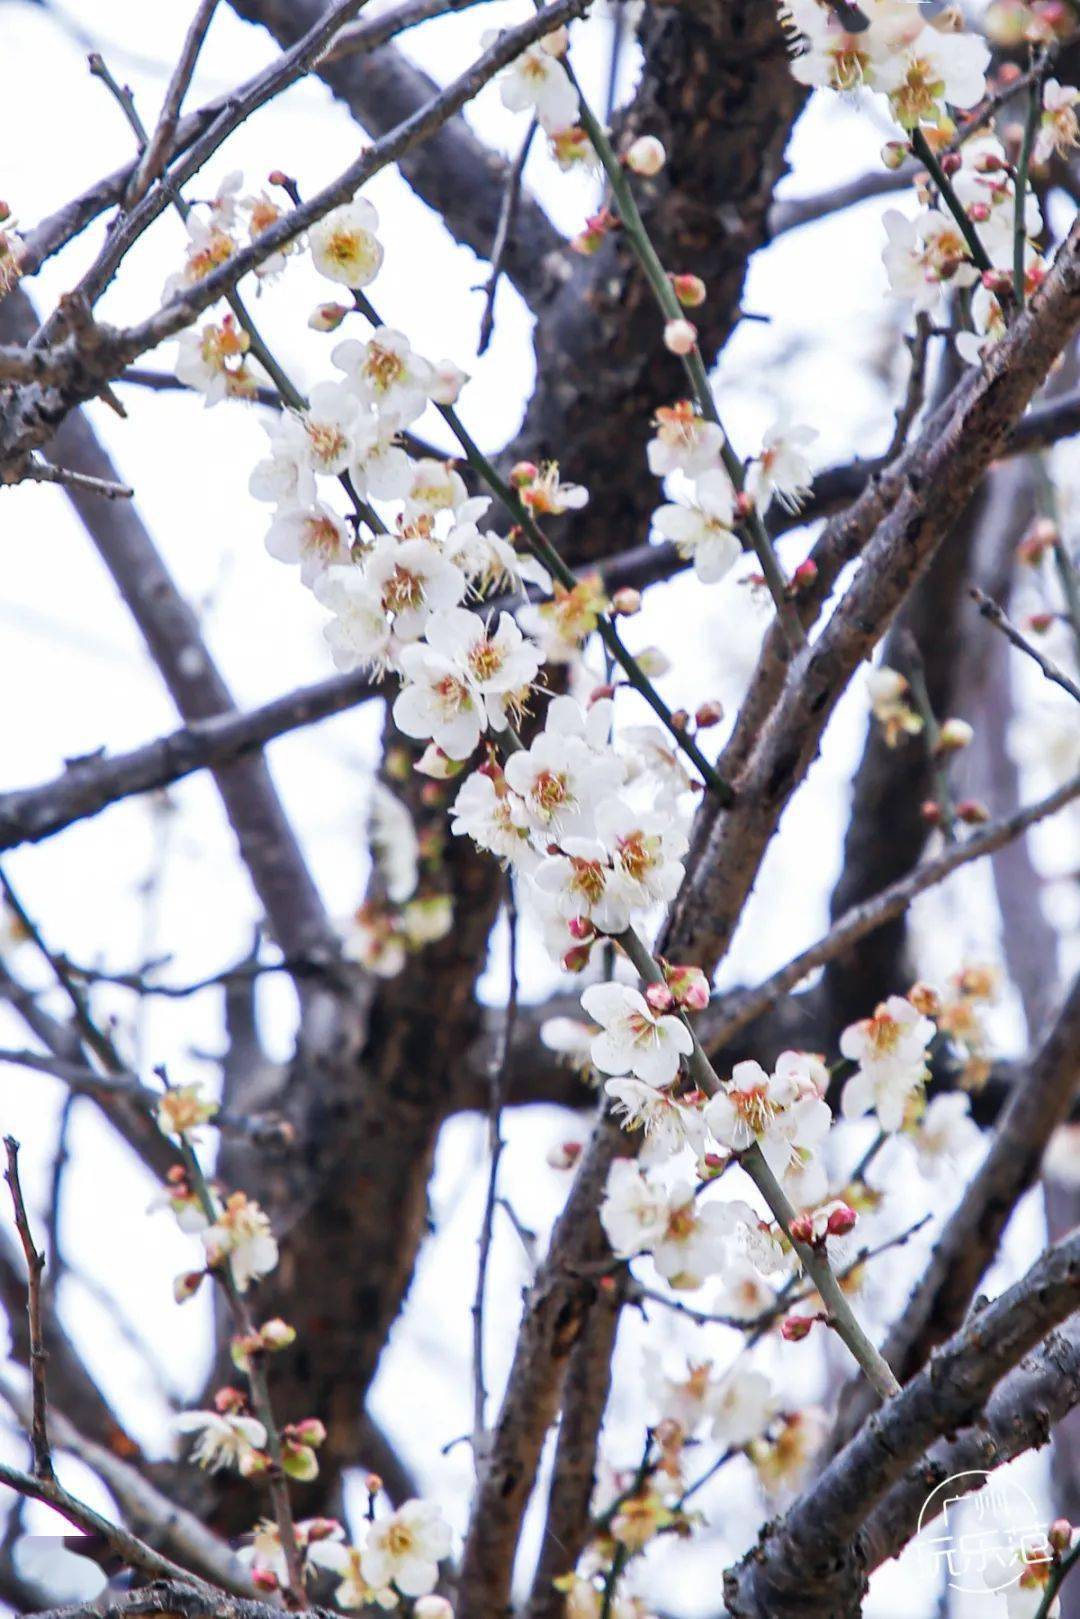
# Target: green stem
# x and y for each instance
(813, 1258)
(1057, 1579)
(939, 774)
(671, 309)
(546, 553)
(926, 156)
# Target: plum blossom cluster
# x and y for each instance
(394, 1563)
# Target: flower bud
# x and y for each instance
(744, 505)
(448, 382)
(324, 1528)
(564, 1155)
(577, 959)
(579, 927)
(794, 1328)
(954, 735)
(435, 763)
(951, 163)
(276, 1334)
(841, 1221)
(626, 602)
(373, 1484)
(327, 317)
(600, 694)
(894, 154)
(654, 663)
(264, 1579)
(309, 1431)
(646, 156)
(229, 1400)
(1040, 538)
(804, 576)
(802, 1228)
(1039, 622)
(690, 290)
(432, 1607)
(680, 336)
(978, 212)
(680, 719)
(930, 811)
(709, 713)
(1060, 1534)
(997, 281)
(925, 999)
(689, 986)
(972, 812)
(659, 997)
(714, 1162)
(187, 1284)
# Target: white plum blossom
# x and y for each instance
(462, 680)
(559, 781)
(781, 469)
(536, 81)
(769, 1111)
(1059, 129)
(922, 254)
(744, 1293)
(490, 562)
(413, 579)
(694, 1243)
(344, 247)
(644, 850)
(937, 69)
(404, 1549)
(438, 701)
(669, 1124)
(315, 536)
(683, 1400)
(285, 476)
(833, 58)
(569, 1038)
(945, 1133)
(434, 486)
(226, 1439)
(328, 428)
(359, 635)
(684, 442)
(633, 1039)
(353, 1590)
(386, 374)
(741, 1405)
(213, 360)
(703, 529)
(634, 1211)
(890, 1050)
(379, 467)
(241, 1234)
(487, 811)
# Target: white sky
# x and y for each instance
(76, 678)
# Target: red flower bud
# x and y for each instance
(707, 714)
(972, 812)
(796, 1327)
(802, 1228)
(841, 1221)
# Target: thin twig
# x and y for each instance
(496, 1143)
(1031, 124)
(158, 148)
(504, 231)
(996, 615)
(43, 472)
(925, 154)
(741, 1008)
(35, 1265)
(915, 392)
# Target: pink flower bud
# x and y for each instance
(229, 1400)
(600, 694)
(930, 811)
(523, 474)
(579, 927)
(659, 997)
(646, 156)
(979, 212)
(577, 959)
(264, 1579)
(1039, 622)
(690, 290)
(373, 1484)
(744, 505)
(997, 281)
(689, 986)
(626, 602)
(710, 713)
(841, 1221)
(680, 336)
(278, 177)
(1060, 1534)
(680, 719)
(327, 317)
(796, 1327)
(804, 576)
(564, 1155)
(322, 1529)
(972, 812)
(802, 1228)
(309, 1431)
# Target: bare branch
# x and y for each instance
(997, 616)
(41, 472)
(855, 924)
(35, 1265)
(159, 147)
(90, 784)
